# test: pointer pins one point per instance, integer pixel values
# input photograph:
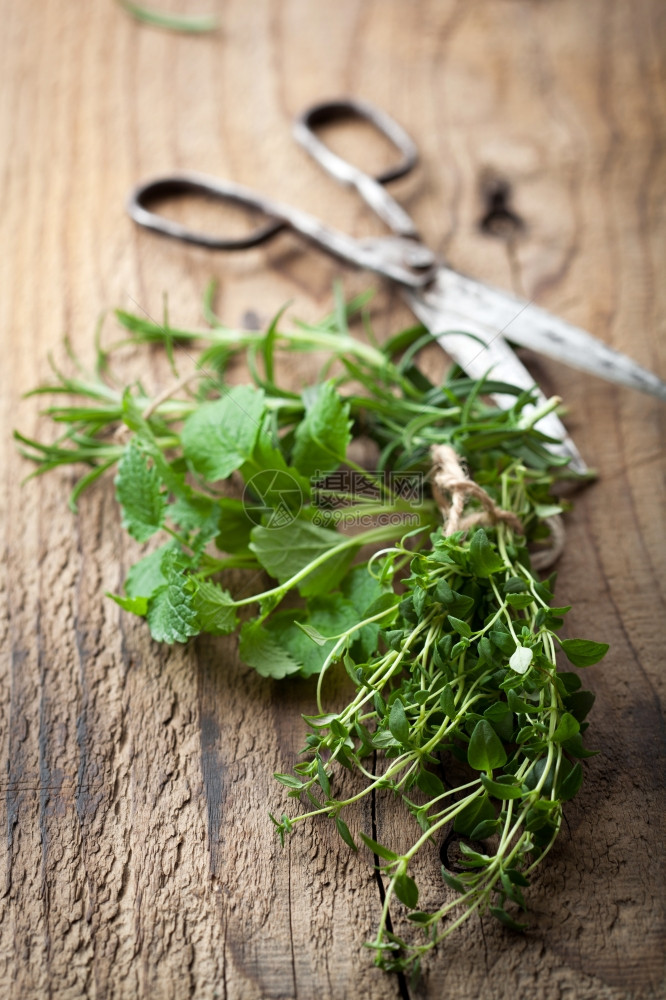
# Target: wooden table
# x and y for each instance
(137, 856)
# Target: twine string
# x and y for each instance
(452, 488)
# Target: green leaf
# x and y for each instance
(500, 790)
(219, 436)
(519, 601)
(259, 649)
(215, 608)
(145, 577)
(193, 512)
(447, 702)
(274, 491)
(345, 833)
(479, 809)
(584, 652)
(187, 23)
(504, 918)
(284, 552)
(484, 559)
(503, 640)
(461, 627)
(233, 526)
(406, 890)
(398, 722)
(485, 829)
(322, 778)
(453, 882)
(171, 615)
(519, 706)
(574, 746)
(322, 437)
(579, 703)
(139, 491)
(312, 633)
(295, 630)
(135, 605)
(485, 751)
(429, 784)
(570, 785)
(567, 727)
(288, 779)
(378, 849)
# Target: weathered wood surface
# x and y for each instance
(137, 859)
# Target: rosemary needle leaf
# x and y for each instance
(188, 23)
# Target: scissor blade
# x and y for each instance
(483, 352)
(528, 325)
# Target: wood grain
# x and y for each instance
(137, 859)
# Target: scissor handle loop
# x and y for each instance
(178, 185)
(370, 188)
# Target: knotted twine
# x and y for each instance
(452, 488)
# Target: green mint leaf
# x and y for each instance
(233, 525)
(485, 751)
(139, 491)
(214, 607)
(145, 577)
(135, 605)
(192, 512)
(312, 633)
(584, 652)
(322, 437)
(171, 615)
(378, 849)
(484, 559)
(406, 890)
(220, 435)
(274, 491)
(284, 552)
(259, 649)
(398, 722)
(295, 630)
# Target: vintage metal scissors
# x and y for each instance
(451, 305)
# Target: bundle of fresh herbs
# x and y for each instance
(427, 598)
